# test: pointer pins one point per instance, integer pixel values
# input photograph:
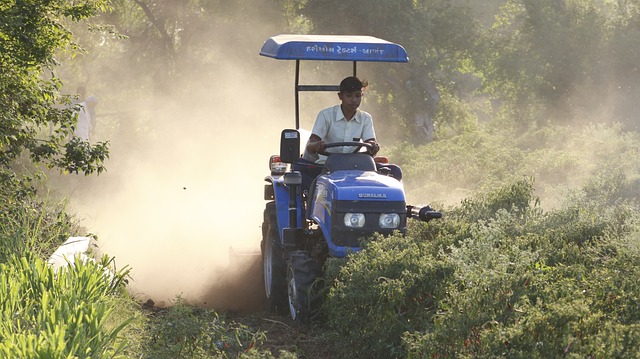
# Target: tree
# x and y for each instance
(172, 45)
(437, 35)
(36, 118)
(560, 60)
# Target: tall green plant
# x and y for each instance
(29, 225)
(58, 315)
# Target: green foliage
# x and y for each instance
(461, 165)
(58, 315)
(389, 288)
(29, 225)
(516, 197)
(35, 117)
(83, 157)
(558, 157)
(498, 277)
(183, 331)
(542, 58)
(67, 314)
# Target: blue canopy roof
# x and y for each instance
(333, 48)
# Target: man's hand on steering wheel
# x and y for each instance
(320, 146)
(315, 145)
(373, 150)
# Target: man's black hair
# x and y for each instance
(352, 83)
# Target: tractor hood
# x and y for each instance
(364, 188)
(361, 186)
(367, 193)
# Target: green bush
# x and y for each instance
(498, 277)
(392, 286)
(558, 157)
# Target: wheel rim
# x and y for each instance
(268, 269)
(293, 295)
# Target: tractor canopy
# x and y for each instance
(354, 48)
(333, 48)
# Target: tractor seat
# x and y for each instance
(349, 161)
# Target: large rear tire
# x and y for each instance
(304, 279)
(273, 264)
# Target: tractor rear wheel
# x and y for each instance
(304, 278)
(273, 264)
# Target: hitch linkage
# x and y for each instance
(422, 213)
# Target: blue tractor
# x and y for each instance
(352, 199)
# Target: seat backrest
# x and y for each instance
(349, 161)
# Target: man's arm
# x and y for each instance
(369, 133)
(315, 144)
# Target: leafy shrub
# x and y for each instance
(558, 157)
(392, 286)
(515, 197)
(498, 277)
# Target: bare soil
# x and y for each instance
(307, 341)
(240, 295)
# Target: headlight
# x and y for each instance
(354, 220)
(389, 220)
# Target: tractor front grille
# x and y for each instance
(350, 237)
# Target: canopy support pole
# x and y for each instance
(316, 88)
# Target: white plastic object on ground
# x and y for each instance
(74, 247)
(67, 252)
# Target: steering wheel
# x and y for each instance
(357, 145)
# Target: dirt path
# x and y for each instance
(241, 296)
(310, 341)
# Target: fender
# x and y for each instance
(281, 198)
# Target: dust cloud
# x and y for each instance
(181, 203)
(182, 200)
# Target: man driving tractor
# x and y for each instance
(339, 123)
(342, 123)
